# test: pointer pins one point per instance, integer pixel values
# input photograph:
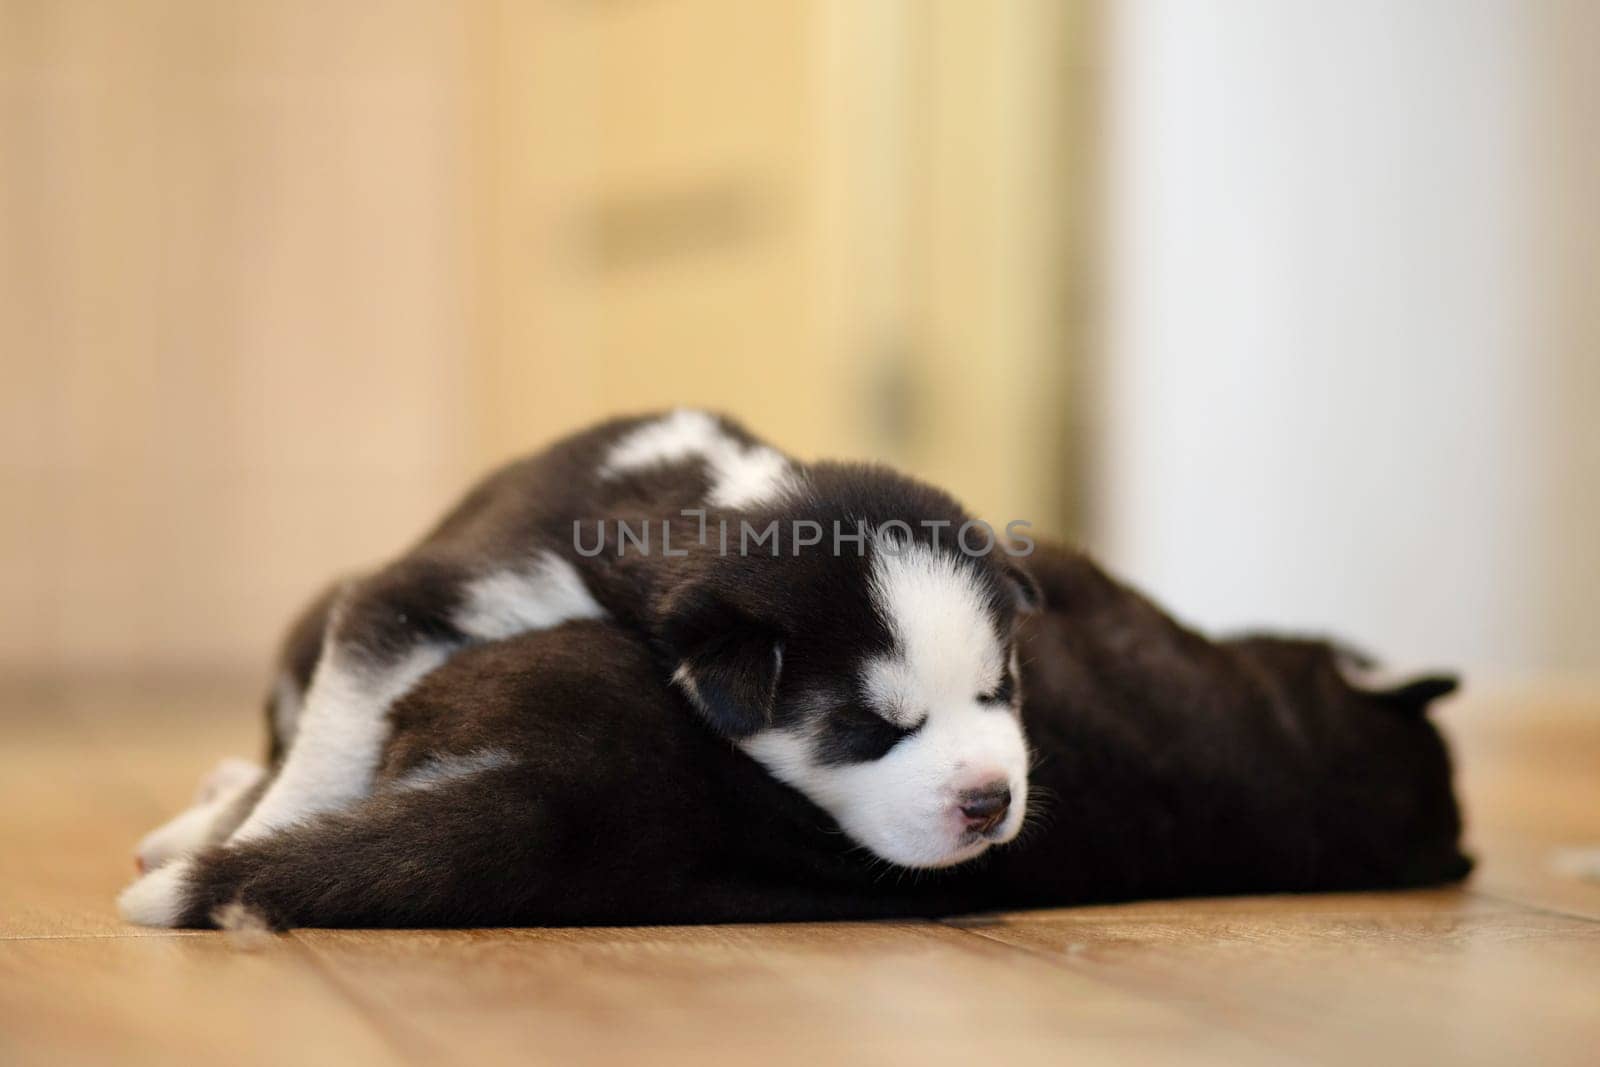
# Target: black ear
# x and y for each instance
(1415, 694)
(1025, 591)
(725, 660)
(1404, 690)
(1411, 692)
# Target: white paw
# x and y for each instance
(228, 778)
(157, 899)
(192, 828)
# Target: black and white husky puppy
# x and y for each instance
(846, 626)
(553, 779)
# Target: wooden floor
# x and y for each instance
(1507, 969)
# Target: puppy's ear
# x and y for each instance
(1416, 693)
(1407, 691)
(725, 660)
(1025, 592)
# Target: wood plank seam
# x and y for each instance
(1499, 897)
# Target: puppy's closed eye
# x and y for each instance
(854, 733)
(1003, 693)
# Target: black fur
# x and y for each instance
(1167, 765)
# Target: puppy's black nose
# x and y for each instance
(986, 808)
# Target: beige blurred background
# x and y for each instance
(1289, 313)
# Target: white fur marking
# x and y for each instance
(509, 602)
(741, 476)
(246, 927)
(157, 899)
(676, 436)
(947, 644)
(286, 702)
(439, 770)
(340, 738)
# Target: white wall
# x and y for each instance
(1329, 386)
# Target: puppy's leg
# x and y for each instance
(297, 662)
(452, 853)
(383, 635)
(230, 790)
(221, 803)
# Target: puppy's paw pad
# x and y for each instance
(160, 897)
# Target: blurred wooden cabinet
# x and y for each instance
(856, 225)
(277, 277)
(233, 354)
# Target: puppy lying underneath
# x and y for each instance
(552, 778)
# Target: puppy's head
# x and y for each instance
(877, 677)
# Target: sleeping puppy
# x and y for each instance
(769, 591)
(551, 779)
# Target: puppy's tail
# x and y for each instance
(442, 855)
